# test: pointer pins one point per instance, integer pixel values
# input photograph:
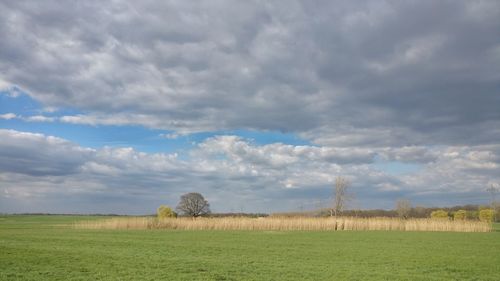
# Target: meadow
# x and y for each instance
(50, 248)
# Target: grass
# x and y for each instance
(287, 224)
(47, 248)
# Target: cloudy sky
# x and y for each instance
(120, 106)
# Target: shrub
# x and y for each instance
(460, 215)
(487, 215)
(165, 212)
(439, 214)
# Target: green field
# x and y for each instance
(47, 248)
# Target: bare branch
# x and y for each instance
(340, 198)
(403, 208)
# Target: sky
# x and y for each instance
(120, 106)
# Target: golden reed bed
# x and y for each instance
(287, 224)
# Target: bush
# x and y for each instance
(487, 215)
(165, 212)
(460, 215)
(439, 214)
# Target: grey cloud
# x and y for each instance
(38, 155)
(415, 154)
(426, 70)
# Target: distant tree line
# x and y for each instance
(240, 214)
(461, 211)
(194, 205)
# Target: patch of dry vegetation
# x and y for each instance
(287, 224)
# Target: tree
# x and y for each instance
(460, 215)
(403, 208)
(341, 197)
(487, 215)
(493, 190)
(193, 204)
(165, 212)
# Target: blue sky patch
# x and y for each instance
(138, 137)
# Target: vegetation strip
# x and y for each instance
(287, 224)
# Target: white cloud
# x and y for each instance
(8, 116)
(34, 118)
(39, 118)
(171, 136)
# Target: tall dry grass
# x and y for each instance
(287, 224)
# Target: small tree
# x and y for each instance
(487, 215)
(193, 204)
(403, 208)
(439, 214)
(460, 215)
(165, 212)
(340, 198)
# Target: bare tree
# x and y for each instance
(495, 206)
(403, 208)
(193, 204)
(493, 190)
(341, 197)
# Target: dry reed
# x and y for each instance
(287, 224)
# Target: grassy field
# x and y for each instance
(47, 248)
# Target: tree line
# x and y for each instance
(194, 205)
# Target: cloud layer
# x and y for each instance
(37, 169)
(375, 72)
